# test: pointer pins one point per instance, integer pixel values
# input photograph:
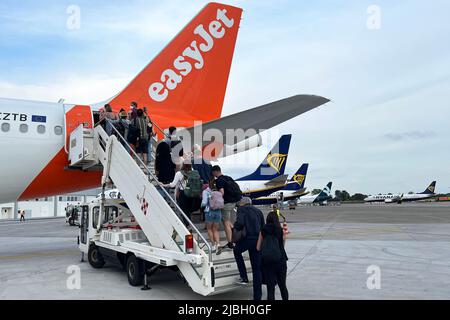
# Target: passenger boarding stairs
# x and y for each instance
(155, 211)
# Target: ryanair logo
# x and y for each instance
(276, 161)
(299, 178)
(431, 189)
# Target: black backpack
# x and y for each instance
(121, 128)
(133, 133)
(232, 191)
(270, 250)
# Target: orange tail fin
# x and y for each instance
(188, 79)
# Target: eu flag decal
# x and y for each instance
(35, 118)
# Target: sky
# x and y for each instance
(386, 129)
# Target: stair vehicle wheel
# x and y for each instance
(135, 271)
(95, 258)
(71, 222)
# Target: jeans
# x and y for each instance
(109, 128)
(255, 260)
(150, 149)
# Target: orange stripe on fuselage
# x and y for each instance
(55, 179)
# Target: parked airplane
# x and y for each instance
(293, 190)
(320, 198)
(184, 84)
(269, 176)
(399, 198)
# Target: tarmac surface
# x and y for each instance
(358, 251)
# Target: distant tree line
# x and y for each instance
(343, 195)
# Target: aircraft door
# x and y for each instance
(74, 116)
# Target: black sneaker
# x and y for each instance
(242, 282)
(230, 245)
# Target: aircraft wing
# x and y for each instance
(259, 118)
(277, 181)
(301, 192)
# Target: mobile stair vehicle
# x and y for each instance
(144, 230)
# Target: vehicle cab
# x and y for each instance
(115, 214)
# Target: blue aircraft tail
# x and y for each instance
(430, 189)
(326, 192)
(275, 162)
(298, 180)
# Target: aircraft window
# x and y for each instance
(5, 127)
(41, 129)
(23, 128)
(58, 130)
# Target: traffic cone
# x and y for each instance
(285, 228)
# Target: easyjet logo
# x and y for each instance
(191, 57)
(276, 161)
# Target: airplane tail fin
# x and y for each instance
(430, 189)
(326, 192)
(275, 162)
(190, 75)
(298, 180)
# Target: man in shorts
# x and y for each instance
(231, 195)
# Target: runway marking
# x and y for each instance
(39, 254)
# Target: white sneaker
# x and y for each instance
(213, 248)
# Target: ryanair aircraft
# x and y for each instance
(269, 177)
(399, 198)
(293, 190)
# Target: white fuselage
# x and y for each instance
(383, 198)
(398, 197)
(307, 199)
(25, 152)
(256, 187)
(284, 193)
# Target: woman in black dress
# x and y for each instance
(164, 166)
(274, 272)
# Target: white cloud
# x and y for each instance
(77, 90)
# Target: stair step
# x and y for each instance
(227, 288)
(232, 273)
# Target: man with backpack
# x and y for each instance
(151, 134)
(188, 189)
(203, 167)
(122, 126)
(249, 223)
(141, 122)
(232, 194)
